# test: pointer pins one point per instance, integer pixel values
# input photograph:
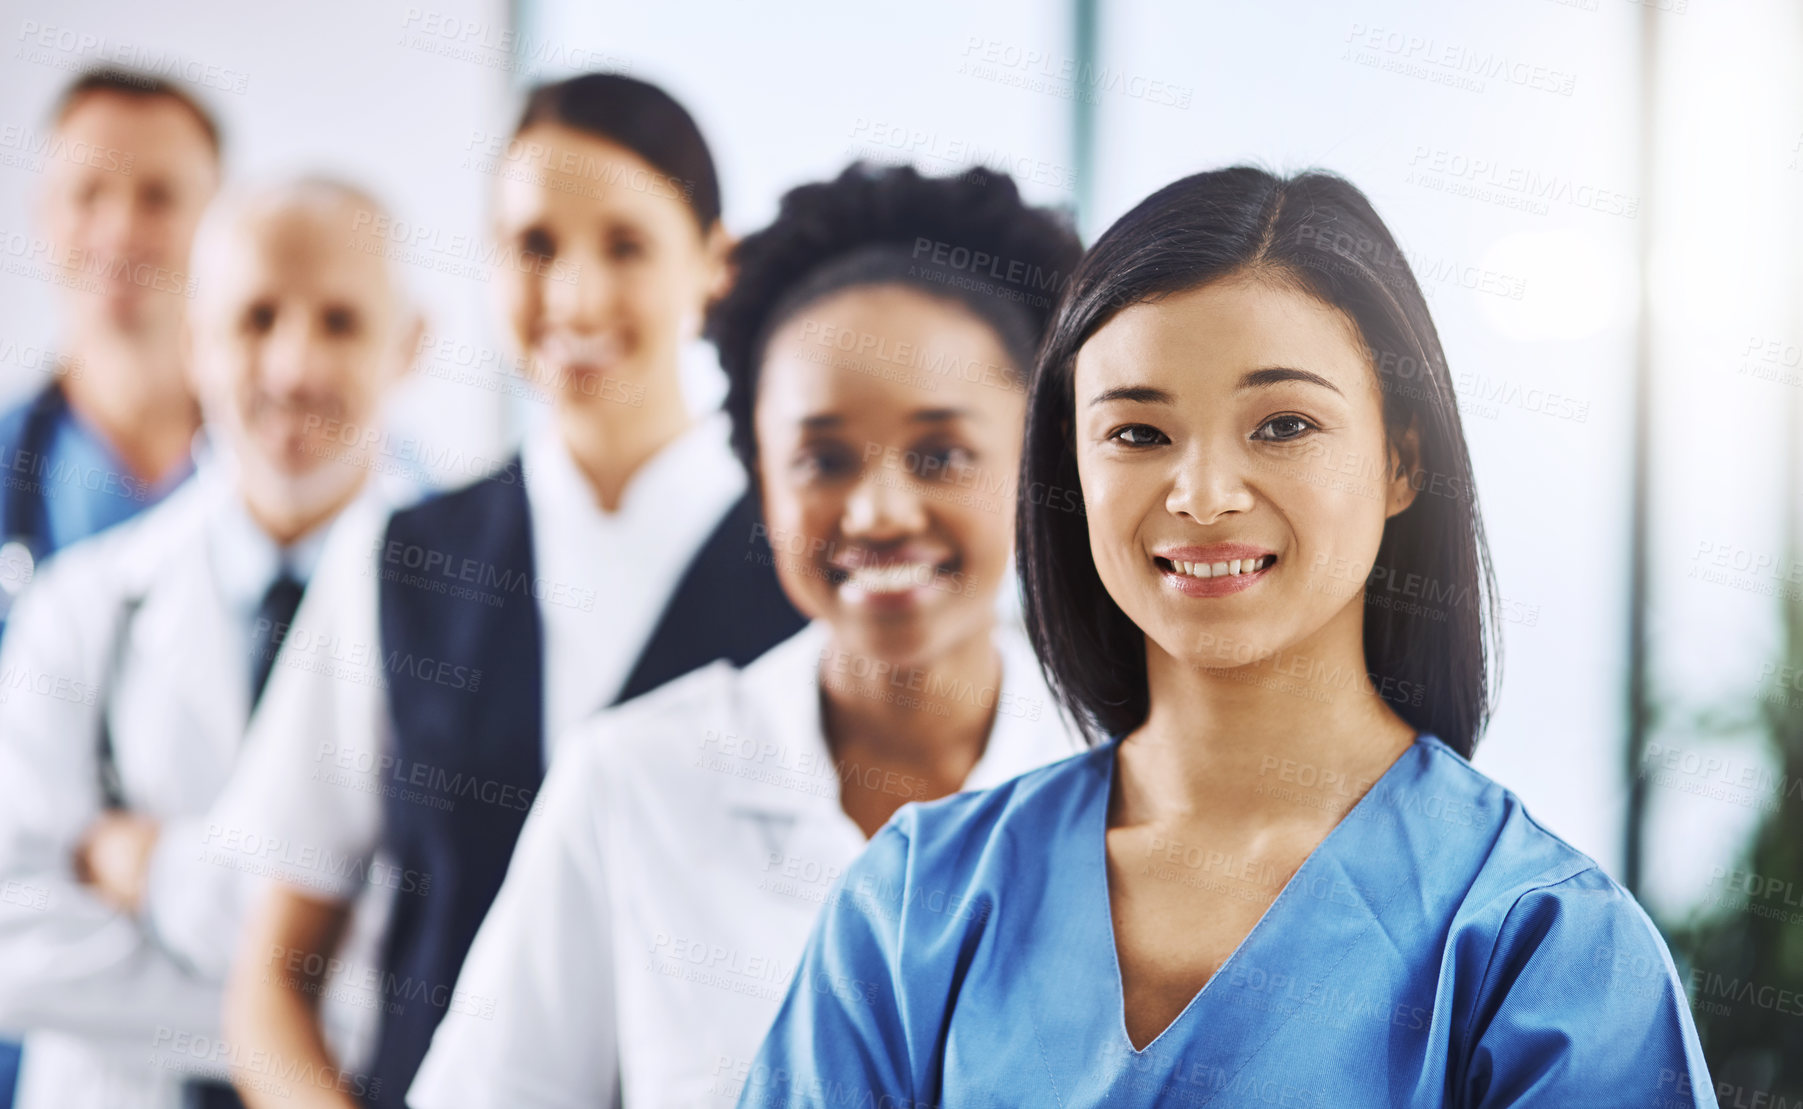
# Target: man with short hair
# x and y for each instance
(136, 160)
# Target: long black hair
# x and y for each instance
(968, 238)
(1316, 232)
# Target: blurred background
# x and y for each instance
(1599, 196)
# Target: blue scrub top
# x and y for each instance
(88, 488)
(82, 484)
(1439, 947)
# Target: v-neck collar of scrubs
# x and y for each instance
(1406, 771)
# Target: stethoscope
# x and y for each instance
(25, 504)
(25, 523)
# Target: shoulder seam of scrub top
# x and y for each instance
(1509, 796)
(1490, 963)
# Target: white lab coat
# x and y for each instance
(664, 887)
(116, 1010)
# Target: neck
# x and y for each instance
(288, 524)
(134, 394)
(1239, 745)
(610, 441)
(933, 716)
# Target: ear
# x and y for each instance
(408, 356)
(185, 347)
(1404, 468)
(717, 247)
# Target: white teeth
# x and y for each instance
(895, 577)
(567, 348)
(1217, 569)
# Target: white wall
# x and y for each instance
(790, 92)
(355, 87)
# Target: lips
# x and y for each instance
(1223, 568)
(895, 577)
(571, 350)
(1215, 570)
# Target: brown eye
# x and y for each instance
(826, 462)
(340, 321)
(259, 318)
(156, 197)
(624, 248)
(1283, 429)
(539, 243)
(941, 463)
(1138, 435)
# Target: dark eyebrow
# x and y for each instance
(1275, 374)
(827, 420)
(1144, 394)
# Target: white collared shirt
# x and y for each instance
(605, 577)
(663, 889)
(246, 559)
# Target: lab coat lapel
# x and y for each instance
(790, 784)
(174, 690)
(185, 650)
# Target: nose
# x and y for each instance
(294, 357)
(578, 294)
(882, 507)
(116, 223)
(142, 229)
(1209, 483)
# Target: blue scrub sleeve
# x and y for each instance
(840, 1037)
(1581, 1005)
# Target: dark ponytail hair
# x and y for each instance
(1318, 233)
(640, 117)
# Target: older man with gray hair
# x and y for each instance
(136, 661)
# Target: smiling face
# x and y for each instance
(604, 271)
(121, 205)
(888, 486)
(297, 336)
(1231, 448)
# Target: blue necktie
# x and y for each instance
(274, 615)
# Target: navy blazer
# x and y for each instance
(727, 605)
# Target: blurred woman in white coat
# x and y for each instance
(664, 887)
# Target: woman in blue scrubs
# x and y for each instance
(1275, 878)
